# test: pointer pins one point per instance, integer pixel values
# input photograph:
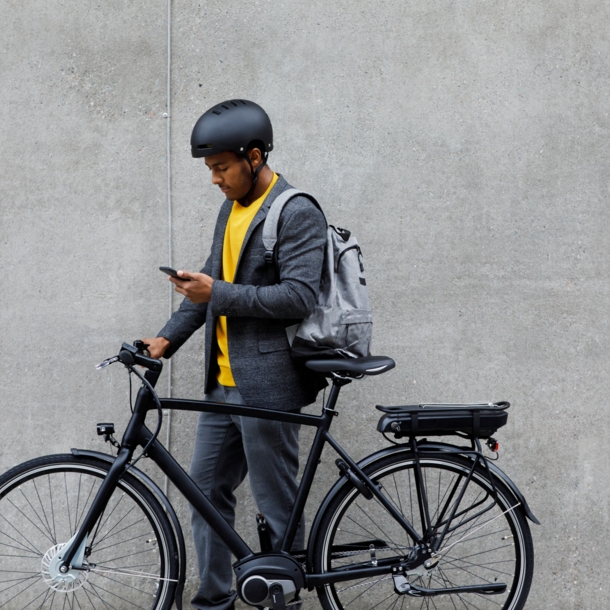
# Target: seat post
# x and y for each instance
(338, 383)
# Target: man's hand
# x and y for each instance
(157, 346)
(198, 290)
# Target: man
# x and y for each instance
(246, 304)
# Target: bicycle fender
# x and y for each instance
(508, 482)
(156, 490)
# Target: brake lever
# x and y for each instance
(142, 347)
(133, 354)
(107, 362)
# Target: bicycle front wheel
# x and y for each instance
(130, 560)
(487, 541)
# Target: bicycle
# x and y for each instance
(419, 524)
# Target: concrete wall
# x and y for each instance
(464, 143)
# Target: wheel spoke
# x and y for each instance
(106, 575)
(99, 549)
(28, 519)
(50, 506)
(113, 594)
(116, 533)
(108, 515)
(46, 522)
(130, 572)
(34, 581)
(32, 549)
(86, 503)
(48, 593)
(106, 604)
(34, 576)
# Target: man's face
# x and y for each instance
(231, 173)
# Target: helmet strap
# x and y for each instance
(255, 173)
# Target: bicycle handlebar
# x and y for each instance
(134, 354)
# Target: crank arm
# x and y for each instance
(486, 589)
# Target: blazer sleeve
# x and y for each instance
(300, 256)
(188, 318)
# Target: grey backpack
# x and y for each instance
(342, 322)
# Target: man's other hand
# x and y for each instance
(198, 290)
(157, 346)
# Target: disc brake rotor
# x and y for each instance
(56, 580)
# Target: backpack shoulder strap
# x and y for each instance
(273, 216)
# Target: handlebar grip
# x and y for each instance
(150, 363)
(129, 354)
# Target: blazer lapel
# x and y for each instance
(280, 186)
(219, 238)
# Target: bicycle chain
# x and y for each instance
(385, 548)
(313, 594)
(408, 549)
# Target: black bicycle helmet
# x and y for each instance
(232, 125)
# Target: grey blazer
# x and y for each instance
(258, 308)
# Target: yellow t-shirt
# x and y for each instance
(237, 227)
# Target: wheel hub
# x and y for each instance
(426, 568)
(57, 580)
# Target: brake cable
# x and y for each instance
(153, 438)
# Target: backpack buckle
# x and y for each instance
(344, 234)
(269, 257)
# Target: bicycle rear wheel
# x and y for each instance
(131, 559)
(488, 541)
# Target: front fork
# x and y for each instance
(95, 511)
(129, 441)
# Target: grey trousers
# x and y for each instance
(227, 447)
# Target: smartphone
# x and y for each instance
(174, 273)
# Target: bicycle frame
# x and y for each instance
(137, 434)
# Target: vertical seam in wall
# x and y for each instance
(169, 215)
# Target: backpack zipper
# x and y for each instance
(355, 247)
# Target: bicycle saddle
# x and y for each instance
(369, 365)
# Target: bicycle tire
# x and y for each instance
(131, 558)
(494, 547)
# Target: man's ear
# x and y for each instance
(256, 157)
